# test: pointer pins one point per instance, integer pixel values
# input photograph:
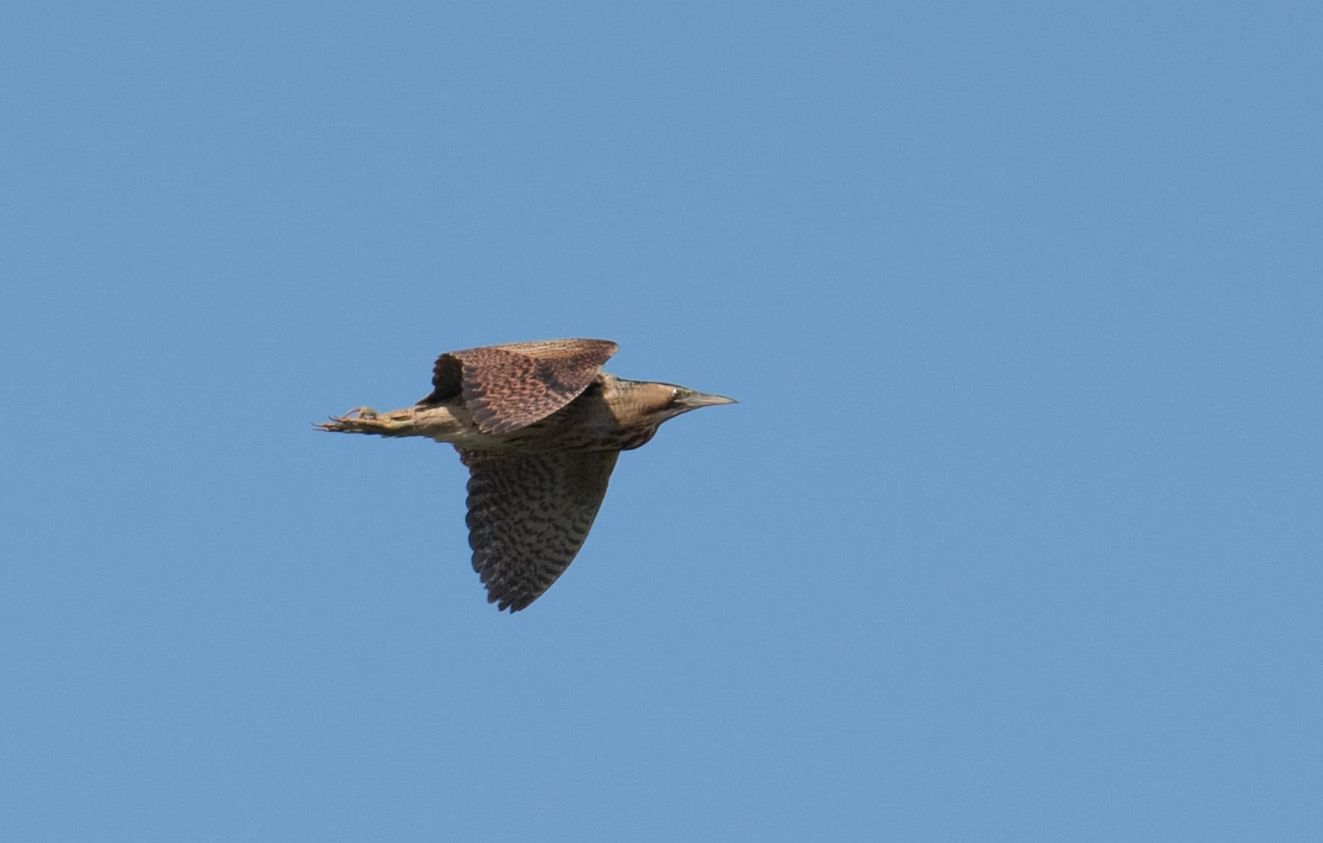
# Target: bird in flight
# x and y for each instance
(539, 425)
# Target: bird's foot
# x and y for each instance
(357, 420)
(368, 420)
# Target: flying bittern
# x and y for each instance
(539, 425)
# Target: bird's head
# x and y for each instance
(649, 403)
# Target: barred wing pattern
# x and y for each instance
(507, 387)
(528, 515)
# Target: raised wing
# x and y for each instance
(507, 387)
(528, 516)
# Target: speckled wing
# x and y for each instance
(507, 387)
(528, 516)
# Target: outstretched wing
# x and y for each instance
(507, 387)
(528, 516)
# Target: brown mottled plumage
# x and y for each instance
(539, 426)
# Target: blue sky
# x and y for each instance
(1015, 533)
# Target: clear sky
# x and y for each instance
(1015, 534)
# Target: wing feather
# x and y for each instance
(528, 515)
(508, 387)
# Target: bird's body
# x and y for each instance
(540, 426)
(611, 414)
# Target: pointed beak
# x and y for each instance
(694, 400)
